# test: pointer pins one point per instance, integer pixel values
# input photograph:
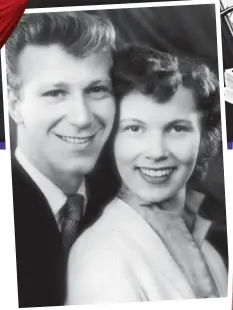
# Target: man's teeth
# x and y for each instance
(75, 140)
(156, 173)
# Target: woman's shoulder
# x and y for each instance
(104, 233)
(97, 269)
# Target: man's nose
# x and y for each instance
(79, 113)
(155, 147)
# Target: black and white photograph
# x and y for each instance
(227, 44)
(116, 150)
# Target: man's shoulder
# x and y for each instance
(27, 197)
(21, 181)
(18, 172)
(33, 217)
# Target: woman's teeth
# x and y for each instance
(156, 173)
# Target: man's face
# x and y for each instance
(66, 109)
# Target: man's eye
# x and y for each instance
(54, 93)
(97, 89)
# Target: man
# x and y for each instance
(60, 97)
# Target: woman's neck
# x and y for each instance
(174, 205)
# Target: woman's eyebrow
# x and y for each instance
(180, 121)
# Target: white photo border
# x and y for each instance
(8, 278)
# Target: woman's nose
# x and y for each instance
(155, 147)
(79, 113)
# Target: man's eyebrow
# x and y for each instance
(96, 82)
(53, 84)
(65, 85)
(59, 84)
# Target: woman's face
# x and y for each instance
(156, 145)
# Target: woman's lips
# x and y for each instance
(156, 175)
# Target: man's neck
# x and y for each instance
(69, 183)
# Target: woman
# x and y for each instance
(150, 242)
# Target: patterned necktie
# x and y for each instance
(71, 214)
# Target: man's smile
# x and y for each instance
(77, 140)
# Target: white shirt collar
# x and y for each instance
(54, 195)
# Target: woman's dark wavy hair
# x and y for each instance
(159, 75)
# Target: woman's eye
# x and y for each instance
(133, 128)
(178, 129)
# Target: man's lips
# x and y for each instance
(77, 140)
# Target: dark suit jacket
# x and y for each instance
(39, 253)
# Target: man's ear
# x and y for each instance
(14, 106)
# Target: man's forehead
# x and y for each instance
(52, 53)
(52, 60)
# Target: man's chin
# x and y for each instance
(82, 168)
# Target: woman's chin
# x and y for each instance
(156, 197)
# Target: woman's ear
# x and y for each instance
(14, 106)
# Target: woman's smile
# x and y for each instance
(156, 176)
(157, 144)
